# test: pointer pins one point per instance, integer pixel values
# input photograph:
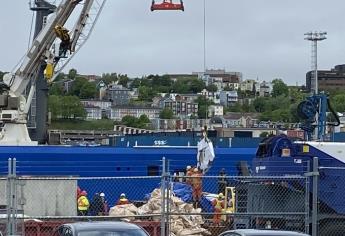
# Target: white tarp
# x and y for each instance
(205, 154)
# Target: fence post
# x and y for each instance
(11, 197)
(163, 183)
(307, 200)
(315, 196)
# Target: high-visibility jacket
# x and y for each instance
(83, 203)
(218, 204)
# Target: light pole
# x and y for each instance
(314, 37)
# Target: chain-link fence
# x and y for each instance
(170, 204)
(330, 204)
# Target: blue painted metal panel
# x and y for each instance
(112, 162)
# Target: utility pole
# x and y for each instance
(314, 37)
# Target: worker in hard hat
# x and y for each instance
(123, 200)
(65, 45)
(189, 172)
(196, 179)
(105, 207)
(83, 204)
(218, 204)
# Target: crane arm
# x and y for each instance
(39, 50)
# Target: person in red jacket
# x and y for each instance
(123, 200)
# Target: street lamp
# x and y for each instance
(314, 37)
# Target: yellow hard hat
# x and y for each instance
(220, 195)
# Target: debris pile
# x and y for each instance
(184, 218)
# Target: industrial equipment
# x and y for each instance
(167, 5)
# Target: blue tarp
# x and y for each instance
(183, 191)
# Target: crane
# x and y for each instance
(14, 106)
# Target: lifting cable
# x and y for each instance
(204, 36)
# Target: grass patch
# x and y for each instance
(103, 124)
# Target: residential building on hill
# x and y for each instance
(215, 110)
(228, 98)
(265, 89)
(181, 107)
(236, 119)
(118, 95)
(118, 112)
(104, 105)
(93, 112)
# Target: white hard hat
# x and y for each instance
(196, 170)
(189, 167)
(123, 195)
(102, 195)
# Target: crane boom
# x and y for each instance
(14, 107)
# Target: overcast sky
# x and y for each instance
(260, 38)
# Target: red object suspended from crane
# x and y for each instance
(167, 5)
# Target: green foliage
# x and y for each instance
(77, 124)
(72, 74)
(146, 93)
(88, 90)
(166, 113)
(203, 105)
(338, 102)
(83, 88)
(279, 88)
(264, 134)
(56, 89)
(59, 77)
(131, 121)
(212, 88)
(66, 107)
(109, 78)
(123, 80)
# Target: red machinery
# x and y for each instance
(167, 5)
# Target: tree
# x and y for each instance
(77, 85)
(130, 121)
(66, 107)
(72, 74)
(123, 80)
(88, 90)
(146, 93)
(212, 88)
(196, 85)
(109, 78)
(55, 106)
(143, 121)
(166, 113)
(56, 89)
(338, 102)
(279, 88)
(259, 104)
